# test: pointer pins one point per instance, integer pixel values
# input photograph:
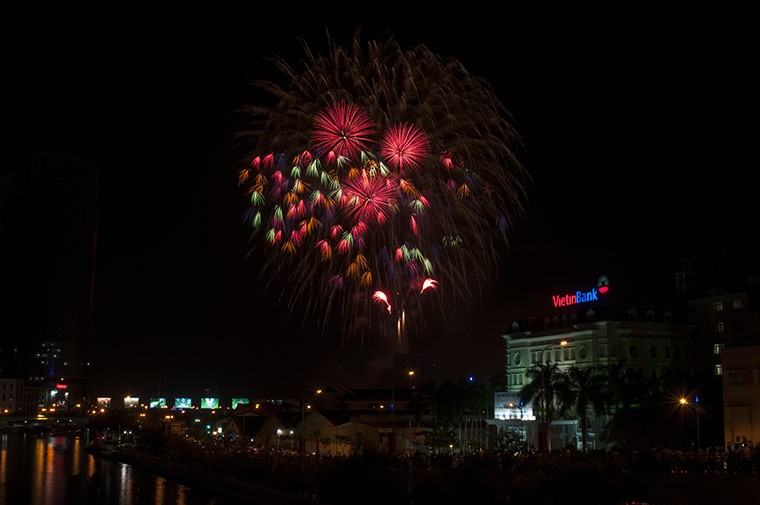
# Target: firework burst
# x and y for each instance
(404, 147)
(344, 129)
(382, 180)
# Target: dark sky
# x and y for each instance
(637, 137)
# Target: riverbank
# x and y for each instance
(194, 476)
(485, 478)
(34, 424)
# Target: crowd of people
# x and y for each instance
(561, 476)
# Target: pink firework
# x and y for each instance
(381, 297)
(429, 284)
(404, 146)
(370, 199)
(345, 129)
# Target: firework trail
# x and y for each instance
(380, 181)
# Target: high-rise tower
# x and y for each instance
(10, 334)
(52, 221)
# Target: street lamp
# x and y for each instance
(543, 431)
(684, 403)
(392, 444)
(523, 435)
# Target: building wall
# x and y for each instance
(741, 395)
(651, 347)
(647, 340)
(17, 398)
(53, 215)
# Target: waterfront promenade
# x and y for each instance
(195, 474)
(272, 477)
(241, 473)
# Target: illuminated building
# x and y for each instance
(741, 395)
(722, 296)
(588, 330)
(51, 220)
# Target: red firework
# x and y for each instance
(404, 146)
(370, 199)
(345, 129)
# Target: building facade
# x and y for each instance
(588, 327)
(648, 340)
(51, 216)
(18, 399)
(722, 295)
(741, 395)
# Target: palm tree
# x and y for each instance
(583, 387)
(628, 388)
(546, 380)
(454, 400)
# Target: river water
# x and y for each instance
(43, 469)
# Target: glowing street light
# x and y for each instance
(392, 444)
(685, 403)
(544, 428)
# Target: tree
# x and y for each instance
(633, 398)
(628, 388)
(452, 401)
(509, 442)
(546, 380)
(581, 388)
(441, 438)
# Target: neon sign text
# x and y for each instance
(578, 297)
(602, 288)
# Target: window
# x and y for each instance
(667, 352)
(652, 351)
(738, 304)
(632, 315)
(570, 354)
(718, 348)
(633, 351)
(583, 352)
(650, 316)
(720, 327)
(718, 306)
(613, 351)
(517, 358)
(737, 378)
(602, 350)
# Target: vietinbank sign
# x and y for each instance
(585, 296)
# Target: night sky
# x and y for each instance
(636, 136)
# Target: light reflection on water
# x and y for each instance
(41, 469)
